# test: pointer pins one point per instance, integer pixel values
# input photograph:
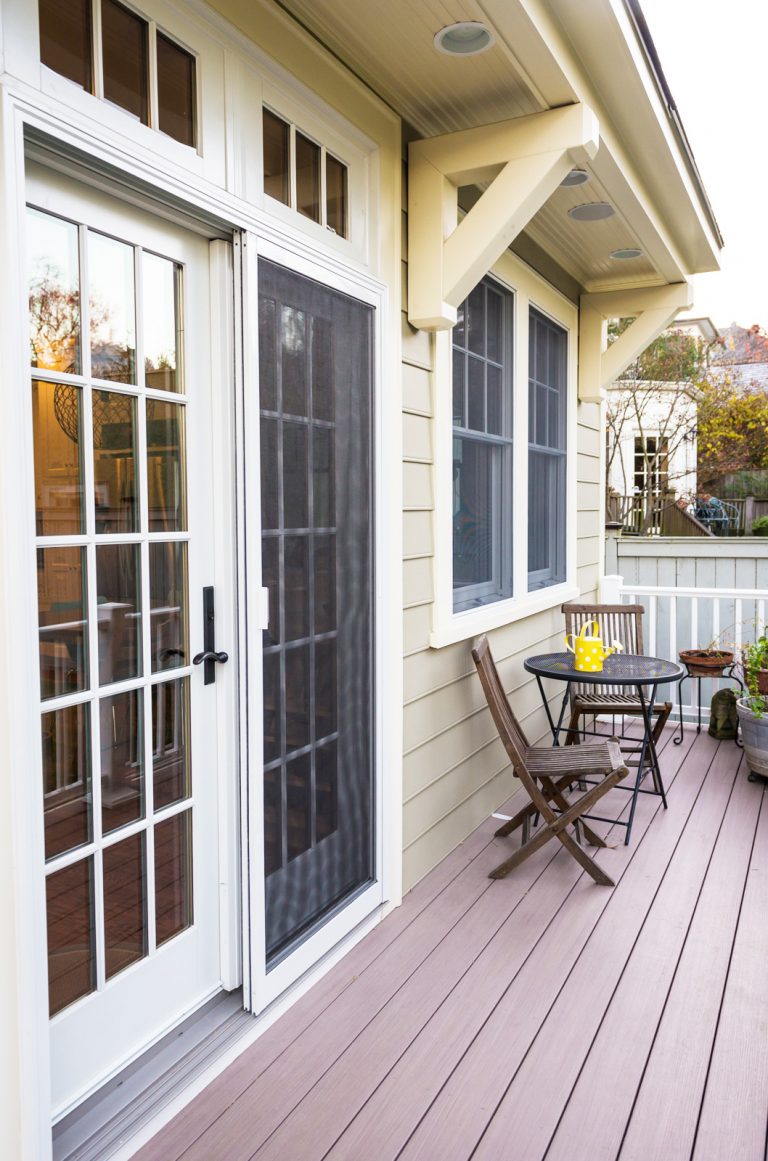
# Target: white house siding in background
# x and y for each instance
(668, 411)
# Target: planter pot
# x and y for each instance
(706, 662)
(754, 732)
(762, 681)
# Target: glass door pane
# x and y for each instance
(111, 483)
(317, 537)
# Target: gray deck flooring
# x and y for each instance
(537, 1016)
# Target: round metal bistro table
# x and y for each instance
(644, 674)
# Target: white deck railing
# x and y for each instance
(679, 618)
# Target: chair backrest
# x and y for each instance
(510, 730)
(622, 623)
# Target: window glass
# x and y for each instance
(307, 177)
(175, 91)
(336, 195)
(547, 500)
(125, 55)
(482, 448)
(277, 157)
(65, 39)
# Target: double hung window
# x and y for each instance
(482, 447)
(547, 358)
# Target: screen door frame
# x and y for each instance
(267, 986)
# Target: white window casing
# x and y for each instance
(529, 290)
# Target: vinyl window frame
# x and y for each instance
(501, 448)
(530, 290)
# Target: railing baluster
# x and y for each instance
(760, 617)
(695, 622)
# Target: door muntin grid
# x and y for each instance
(317, 518)
(109, 414)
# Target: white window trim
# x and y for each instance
(448, 627)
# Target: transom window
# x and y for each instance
(482, 447)
(547, 350)
(109, 50)
(301, 174)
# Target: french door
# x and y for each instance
(121, 400)
(316, 421)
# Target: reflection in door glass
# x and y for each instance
(63, 611)
(114, 462)
(112, 307)
(125, 904)
(67, 795)
(170, 742)
(71, 935)
(173, 876)
(57, 431)
(121, 719)
(162, 345)
(54, 293)
(118, 582)
(168, 605)
(166, 467)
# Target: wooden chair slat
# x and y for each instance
(546, 773)
(623, 623)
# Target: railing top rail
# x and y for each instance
(681, 591)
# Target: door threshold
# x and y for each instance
(97, 1128)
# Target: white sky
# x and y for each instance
(714, 56)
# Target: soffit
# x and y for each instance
(390, 47)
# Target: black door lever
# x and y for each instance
(209, 656)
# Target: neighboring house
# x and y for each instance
(299, 427)
(651, 428)
(744, 354)
(653, 450)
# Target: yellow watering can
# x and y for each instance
(590, 653)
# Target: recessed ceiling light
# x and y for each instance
(627, 252)
(575, 177)
(467, 38)
(591, 212)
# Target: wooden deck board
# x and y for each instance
(734, 1112)
(178, 1136)
(619, 1037)
(535, 1016)
(667, 1106)
(515, 1105)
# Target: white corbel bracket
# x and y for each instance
(525, 159)
(653, 308)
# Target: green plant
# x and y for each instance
(760, 526)
(754, 659)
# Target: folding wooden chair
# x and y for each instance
(622, 623)
(546, 773)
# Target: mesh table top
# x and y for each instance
(618, 669)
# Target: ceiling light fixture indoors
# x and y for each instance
(467, 38)
(626, 252)
(575, 177)
(591, 212)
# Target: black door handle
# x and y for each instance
(209, 657)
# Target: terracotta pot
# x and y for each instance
(706, 662)
(762, 681)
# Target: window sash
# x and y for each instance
(482, 431)
(547, 452)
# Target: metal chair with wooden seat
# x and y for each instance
(623, 623)
(547, 773)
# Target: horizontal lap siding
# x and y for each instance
(455, 770)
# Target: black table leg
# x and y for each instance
(648, 748)
(554, 728)
(678, 739)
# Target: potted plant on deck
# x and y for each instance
(709, 661)
(752, 708)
